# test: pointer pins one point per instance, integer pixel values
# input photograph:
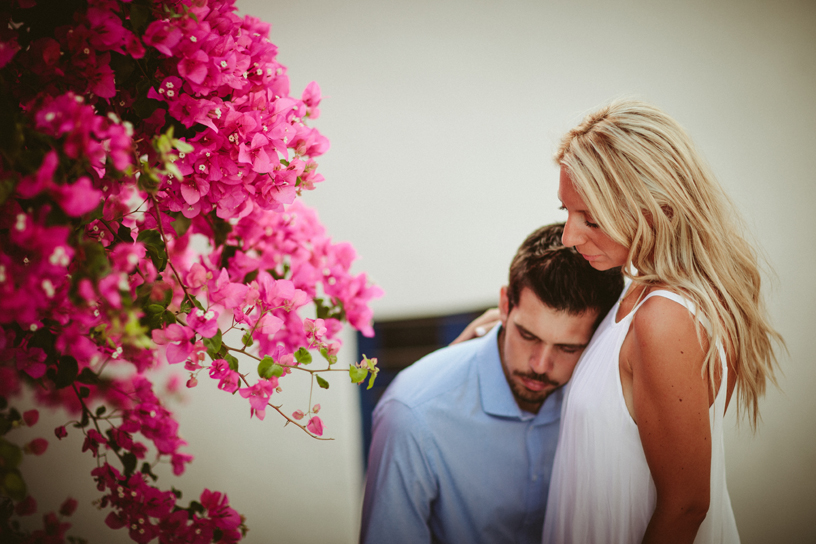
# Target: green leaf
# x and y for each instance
(95, 261)
(123, 66)
(233, 362)
(84, 392)
(183, 146)
(85, 420)
(330, 358)
(321, 382)
(66, 372)
(144, 106)
(124, 234)
(213, 344)
(303, 356)
(129, 462)
(88, 377)
(371, 379)
(221, 230)
(268, 368)
(10, 454)
(247, 339)
(146, 469)
(181, 225)
(250, 277)
(139, 18)
(196, 507)
(154, 245)
(173, 169)
(265, 367)
(357, 374)
(6, 188)
(101, 410)
(14, 486)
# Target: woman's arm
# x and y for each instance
(481, 324)
(670, 399)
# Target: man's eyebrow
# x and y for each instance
(526, 331)
(573, 346)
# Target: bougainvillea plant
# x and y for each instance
(151, 157)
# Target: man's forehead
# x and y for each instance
(555, 326)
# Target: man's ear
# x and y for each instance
(504, 306)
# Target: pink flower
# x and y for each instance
(219, 511)
(68, 507)
(26, 507)
(219, 369)
(194, 67)
(31, 417)
(92, 441)
(311, 97)
(258, 395)
(315, 426)
(177, 339)
(179, 460)
(163, 36)
(7, 50)
(37, 446)
(204, 323)
(256, 155)
(314, 327)
(60, 432)
(298, 414)
(230, 381)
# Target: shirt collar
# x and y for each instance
(497, 398)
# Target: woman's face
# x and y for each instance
(583, 233)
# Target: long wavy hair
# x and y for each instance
(648, 189)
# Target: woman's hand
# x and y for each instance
(479, 326)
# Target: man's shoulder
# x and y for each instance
(434, 377)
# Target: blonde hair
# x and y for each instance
(649, 189)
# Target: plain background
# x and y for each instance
(443, 117)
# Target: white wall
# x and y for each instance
(443, 117)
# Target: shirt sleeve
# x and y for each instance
(400, 484)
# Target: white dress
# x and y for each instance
(601, 489)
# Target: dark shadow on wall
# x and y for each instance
(397, 344)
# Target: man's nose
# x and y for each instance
(541, 361)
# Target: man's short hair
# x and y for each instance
(560, 277)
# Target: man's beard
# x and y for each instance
(524, 395)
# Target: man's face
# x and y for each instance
(540, 347)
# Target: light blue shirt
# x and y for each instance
(453, 458)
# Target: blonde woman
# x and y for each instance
(640, 453)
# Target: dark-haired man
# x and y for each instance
(464, 439)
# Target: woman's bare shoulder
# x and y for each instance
(662, 323)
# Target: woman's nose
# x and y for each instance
(571, 236)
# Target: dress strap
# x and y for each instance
(679, 299)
